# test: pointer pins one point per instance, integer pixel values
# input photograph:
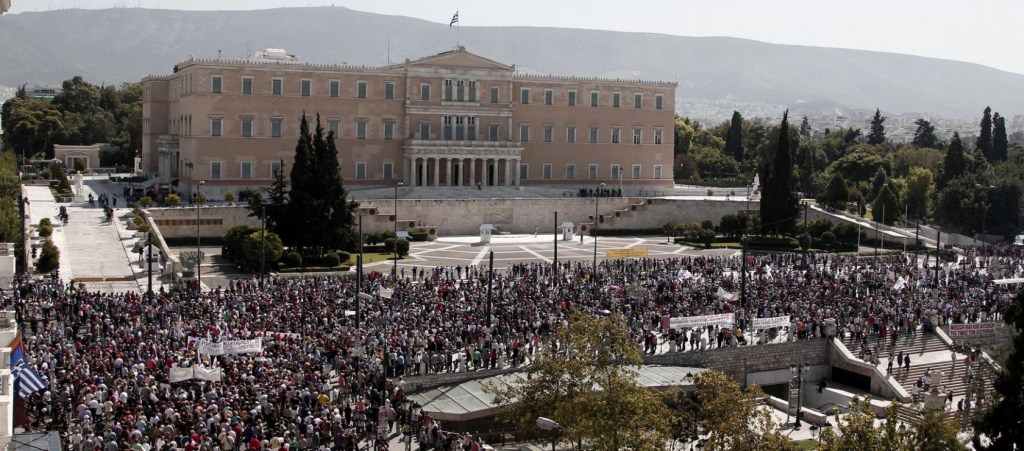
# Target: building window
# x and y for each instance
(494, 94)
(657, 171)
(246, 170)
(305, 88)
(471, 128)
(275, 127)
(389, 90)
(659, 102)
(215, 170)
(276, 86)
(246, 127)
(217, 84)
(615, 99)
(570, 171)
(389, 130)
(570, 134)
(449, 134)
(636, 171)
(460, 90)
(572, 98)
(460, 128)
(638, 134)
(615, 171)
(361, 129)
(448, 93)
(360, 171)
(361, 90)
(524, 171)
(547, 172)
(275, 169)
(657, 136)
(524, 96)
(593, 98)
(549, 131)
(549, 97)
(334, 127)
(593, 135)
(424, 130)
(247, 85)
(615, 135)
(524, 133)
(592, 171)
(472, 91)
(215, 126)
(492, 132)
(638, 100)
(335, 88)
(389, 171)
(424, 92)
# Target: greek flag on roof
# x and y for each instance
(26, 379)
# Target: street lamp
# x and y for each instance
(597, 200)
(412, 418)
(548, 424)
(199, 252)
(395, 270)
(263, 242)
(799, 371)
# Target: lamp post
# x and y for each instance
(799, 371)
(395, 270)
(199, 251)
(743, 239)
(597, 200)
(263, 242)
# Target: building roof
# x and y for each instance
(460, 58)
(469, 400)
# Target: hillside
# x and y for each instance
(116, 45)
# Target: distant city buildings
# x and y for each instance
(451, 119)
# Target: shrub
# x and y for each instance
(234, 240)
(173, 200)
(389, 245)
(372, 239)
(343, 256)
(201, 198)
(403, 247)
(256, 250)
(293, 259)
(828, 237)
(707, 237)
(711, 192)
(45, 228)
(331, 260)
(49, 258)
(229, 197)
(145, 201)
(419, 236)
(761, 242)
(707, 224)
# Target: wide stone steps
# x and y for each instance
(913, 345)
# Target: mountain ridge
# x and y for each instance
(125, 44)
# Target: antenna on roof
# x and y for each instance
(389, 49)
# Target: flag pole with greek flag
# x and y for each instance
(458, 30)
(26, 380)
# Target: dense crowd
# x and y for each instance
(321, 382)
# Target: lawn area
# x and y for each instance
(370, 257)
(806, 444)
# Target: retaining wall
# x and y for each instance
(742, 360)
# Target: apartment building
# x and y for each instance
(451, 119)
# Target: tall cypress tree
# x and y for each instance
(337, 211)
(1001, 425)
(877, 134)
(954, 164)
(296, 231)
(778, 201)
(734, 137)
(805, 128)
(1000, 144)
(984, 142)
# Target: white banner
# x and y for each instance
(768, 323)
(972, 329)
(690, 322)
(206, 347)
(194, 372)
(180, 374)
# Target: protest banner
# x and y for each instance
(635, 252)
(768, 323)
(197, 372)
(179, 374)
(206, 347)
(972, 329)
(690, 322)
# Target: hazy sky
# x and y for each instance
(987, 32)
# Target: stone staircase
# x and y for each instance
(636, 206)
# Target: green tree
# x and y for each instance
(857, 431)
(403, 247)
(876, 136)
(805, 128)
(734, 138)
(919, 189)
(49, 258)
(299, 231)
(274, 202)
(924, 135)
(1001, 426)
(960, 204)
(937, 432)
(234, 239)
(712, 163)
(885, 208)
(984, 141)
(731, 417)
(1000, 144)
(837, 194)
(255, 250)
(588, 388)
(955, 163)
(778, 201)
(881, 179)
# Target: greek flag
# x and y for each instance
(26, 379)
(455, 19)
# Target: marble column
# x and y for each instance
(448, 173)
(423, 173)
(515, 172)
(437, 172)
(472, 172)
(508, 167)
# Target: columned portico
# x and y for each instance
(489, 155)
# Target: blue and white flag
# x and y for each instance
(26, 379)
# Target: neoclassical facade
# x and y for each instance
(452, 119)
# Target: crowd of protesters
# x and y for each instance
(322, 382)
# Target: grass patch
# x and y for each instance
(806, 444)
(342, 268)
(372, 257)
